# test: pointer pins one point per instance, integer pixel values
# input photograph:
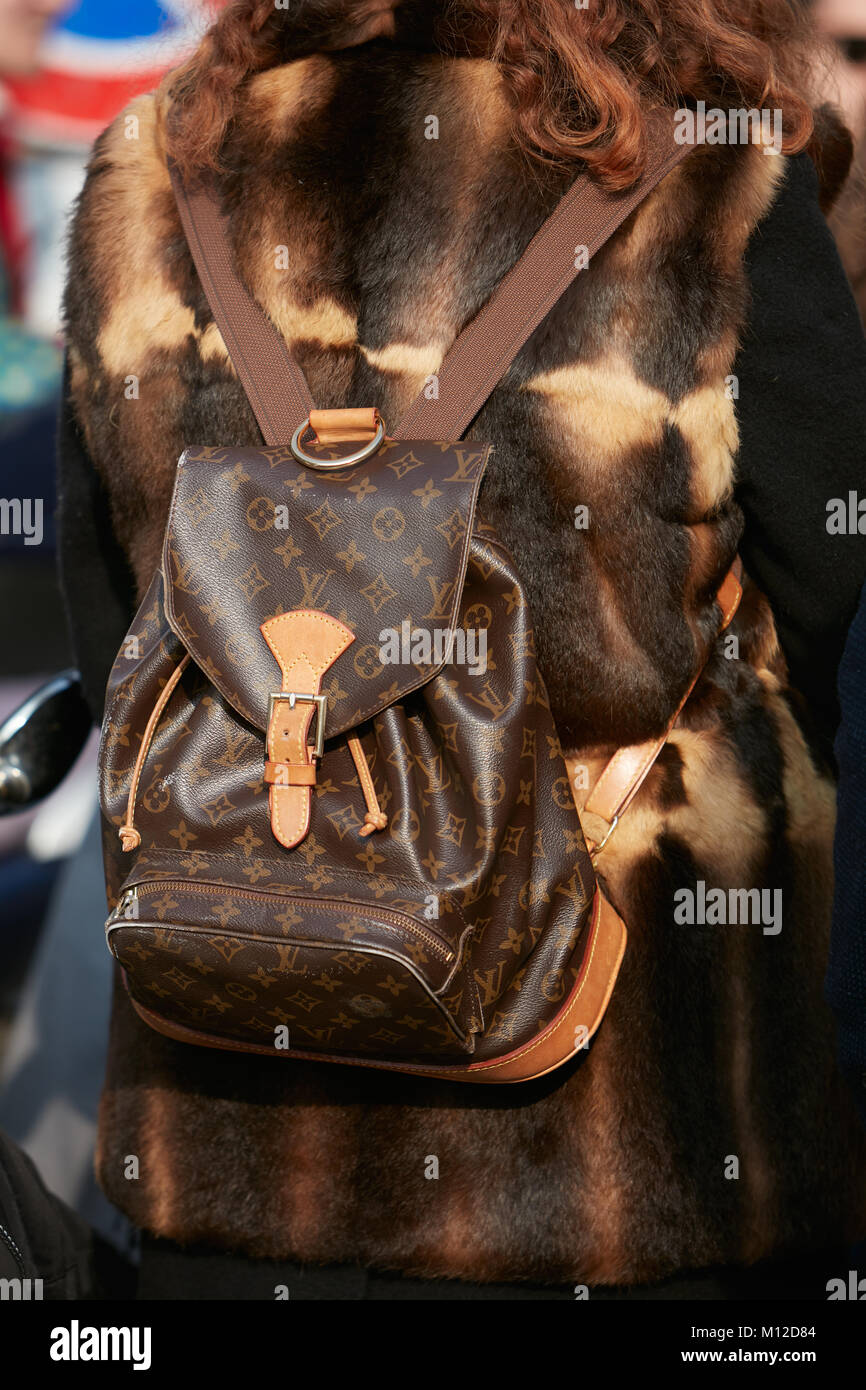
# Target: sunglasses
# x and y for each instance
(853, 49)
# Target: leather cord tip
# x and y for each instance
(129, 838)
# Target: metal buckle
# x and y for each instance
(321, 703)
(600, 846)
(324, 465)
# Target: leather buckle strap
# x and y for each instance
(305, 644)
(629, 767)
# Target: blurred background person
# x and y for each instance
(844, 21)
(29, 367)
(32, 631)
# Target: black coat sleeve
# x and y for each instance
(802, 414)
(846, 972)
(96, 581)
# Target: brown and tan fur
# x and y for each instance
(717, 1042)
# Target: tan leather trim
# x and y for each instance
(344, 426)
(627, 770)
(584, 1008)
(305, 644)
(129, 836)
(730, 593)
(625, 774)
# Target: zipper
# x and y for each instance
(13, 1249)
(393, 921)
(120, 907)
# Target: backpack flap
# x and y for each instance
(382, 548)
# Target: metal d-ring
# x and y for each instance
(325, 464)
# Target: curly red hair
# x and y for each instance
(580, 79)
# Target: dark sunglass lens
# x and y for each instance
(854, 49)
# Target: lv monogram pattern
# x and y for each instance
(373, 546)
(458, 929)
(258, 971)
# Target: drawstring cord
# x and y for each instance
(375, 818)
(130, 838)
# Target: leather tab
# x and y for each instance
(622, 778)
(305, 644)
(290, 774)
(730, 593)
(344, 426)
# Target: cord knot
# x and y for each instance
(374, 820)
(129, 838)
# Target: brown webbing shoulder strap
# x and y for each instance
(275, 385)
(586, 217)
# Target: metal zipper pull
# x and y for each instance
(126, 907)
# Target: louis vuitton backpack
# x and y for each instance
(338, 822)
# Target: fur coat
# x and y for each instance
(708, 1123)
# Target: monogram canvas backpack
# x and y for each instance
(338, 822)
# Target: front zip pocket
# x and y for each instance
(291, 972)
